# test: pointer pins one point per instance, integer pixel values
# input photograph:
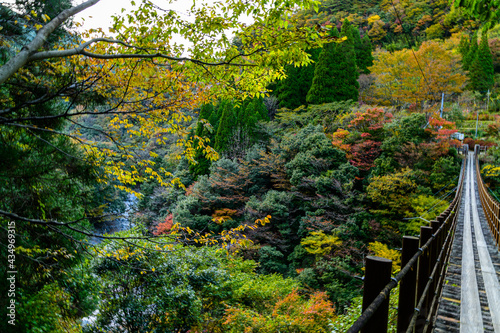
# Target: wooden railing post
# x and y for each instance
(435, 249)
(423, 276)
(408, 284)
(377, 276)
(490, 205)
(417, 305)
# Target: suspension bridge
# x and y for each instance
(449, 280)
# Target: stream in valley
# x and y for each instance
(120, 223)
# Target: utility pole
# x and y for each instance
(477, 119)
(488, 101)
(442, 103)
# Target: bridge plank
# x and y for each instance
(470, 310)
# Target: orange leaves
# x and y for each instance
(369, 126)
(441, 128)
(293, 313)
(223, 215)
(338, 139)
(371, 121)
(164, 228)
(400, 78)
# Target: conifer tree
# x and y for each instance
(346, 72)
(216, 115)
(481, 70)
(463, 48)
(257, 110)
(336, 74)
(323, 84)
(249, 114)
(358, 44)
(226, 124)
(205, 113)
(468, 59)
(365, 57)
(292, 91)
(203, 164)
(288, 90)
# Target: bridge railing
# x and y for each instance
(423, 262)
(491, 207)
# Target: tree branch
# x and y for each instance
(80, 50)
(20, 59)
(36, 221)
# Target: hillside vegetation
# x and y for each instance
(267, 163)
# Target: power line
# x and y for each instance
(412, 51)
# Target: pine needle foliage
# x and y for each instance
(292, 91)
(324, 82)
(336, 74)
(481, 70)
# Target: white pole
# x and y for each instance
(477, 121)
(488, 101)
(442, 102)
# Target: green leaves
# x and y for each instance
(266, 46)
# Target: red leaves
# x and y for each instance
(371, 124)
(365, 153)
(164, 227)
(371, 121)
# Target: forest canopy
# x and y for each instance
(236, 182)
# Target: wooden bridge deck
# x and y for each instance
(470, 300)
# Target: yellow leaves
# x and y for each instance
(399, 78)
(226, 239)
(319, 243)
(148, 99)
(340, 40)
(381, 250)
(490, 171)
(373, 19)
(144, 84)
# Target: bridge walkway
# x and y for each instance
(470, 301)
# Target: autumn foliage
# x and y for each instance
(408, 76)
(164, 227)
(294, 313)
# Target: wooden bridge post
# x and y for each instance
(435, 248)
(377, 276)
(408, 284)
(446, 227)
(423, 276)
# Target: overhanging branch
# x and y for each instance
(80, 50)
(20, 59)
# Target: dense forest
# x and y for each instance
(256, 166)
